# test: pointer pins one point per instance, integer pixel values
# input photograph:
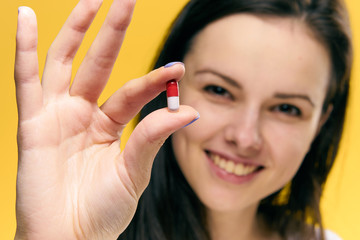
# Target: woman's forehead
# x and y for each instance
(258, 30)
(270, 50)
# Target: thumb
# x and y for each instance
(146, 140)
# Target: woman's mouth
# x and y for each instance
(231, 167)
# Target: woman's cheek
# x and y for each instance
(288, 145)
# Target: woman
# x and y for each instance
(211, 54)
(270, 81)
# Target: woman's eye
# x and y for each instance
(288, 109)
(217, 90)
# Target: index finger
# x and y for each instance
(126, 102)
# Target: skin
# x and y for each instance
(259, 84)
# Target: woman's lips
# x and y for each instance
(230, 170)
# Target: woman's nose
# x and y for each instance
(244, 132)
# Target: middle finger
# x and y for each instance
(95, 70)
(57, 72)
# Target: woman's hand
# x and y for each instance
(73, 180)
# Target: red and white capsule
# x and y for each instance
(172, 94)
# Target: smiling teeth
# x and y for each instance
(238, 169)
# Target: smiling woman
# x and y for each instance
(270, 80)
(265, 124)
(255, 121)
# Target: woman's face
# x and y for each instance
(258, 84)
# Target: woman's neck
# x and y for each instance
(237, 225)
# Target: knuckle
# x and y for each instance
(54, 55)
(103, 62)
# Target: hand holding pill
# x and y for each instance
(71, 168)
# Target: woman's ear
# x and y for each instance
(324, 117)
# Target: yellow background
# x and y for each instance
(341, 201)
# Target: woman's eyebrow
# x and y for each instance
(227, 79)
(301, 96)
(236, 84)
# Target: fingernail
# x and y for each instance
(172, 64)
(198, 116)
(21, 9)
